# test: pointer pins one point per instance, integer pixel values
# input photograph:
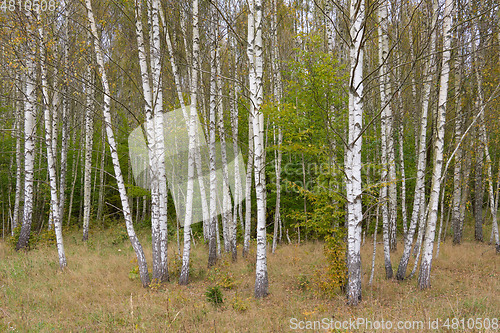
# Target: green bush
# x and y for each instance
(214, 296)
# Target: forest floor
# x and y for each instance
(99, 291)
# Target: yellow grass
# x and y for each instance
(95, 294)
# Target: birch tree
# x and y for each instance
(51, 161)
(353, 152)
(161, 271)
(18, 127)
(428, 246)
(254, 52)
(212, 254)
(89, 130)
(386, 132)
(141, 259)
(485, 147)
(184, 277)
(419, 194)
(29, 147)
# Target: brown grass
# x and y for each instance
(95, 294)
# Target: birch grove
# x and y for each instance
(207, 128)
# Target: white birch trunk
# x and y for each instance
(141, 259)
(177, 81)
(29, 149)
(157, 104)
(151, 140)
(251, 153)
(184, 277)
(419, 195)
(261, 279)
(385, 92)
(277, 100)
(226, 197)
(51, 160)
(353, 153)
(213, 233)
(385, 133)
(238, 193)
(17, 199)
(428, 246)
(64, 115)
(403, 177)
(89, 131)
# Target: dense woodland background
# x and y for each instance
(353, 119)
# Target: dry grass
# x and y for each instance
(95, 293)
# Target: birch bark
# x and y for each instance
(353, 153)
(261, 279)
(29, 149)
(419, 194)
(141, 259)
(51, 161)
(89, 130)
(385, 137)
(428, 246)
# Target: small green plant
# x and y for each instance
(134, 273)
(303, 282)
(214, 296)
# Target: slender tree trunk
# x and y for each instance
(141, 259)
(374, 248)
(151, 139)
(184, 277)
(457, 169)
(89, 131)
(403, 177)
(353, 153)
(256, 96)
(485, 147)
(51, 160)
(157, 104)
(64, 115)
(177, 80)
(238, 195)
(76, 162)
(385, 130)
(478, 188)
(100, 199)
(29, 149)
(248, 186)
(428, 246)
(227, 219)
(213, 233)
(251, 144)
(277, 165)
(19, 126)
(419, 195)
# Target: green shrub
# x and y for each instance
(333, 275)
(214, 296)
